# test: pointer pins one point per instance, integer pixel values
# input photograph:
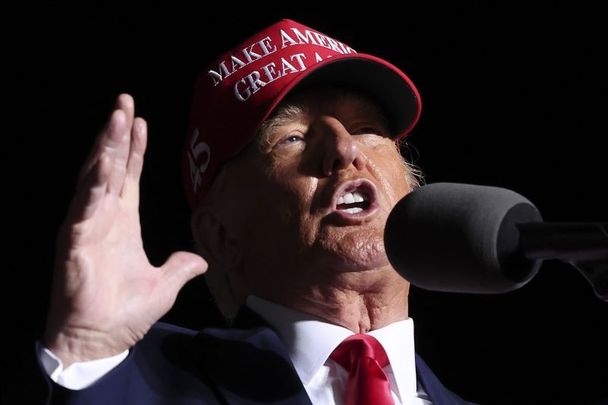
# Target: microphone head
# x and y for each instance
(461, 238)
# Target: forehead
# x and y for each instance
(329, 99)
(344, 103)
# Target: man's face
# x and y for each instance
(310, 198)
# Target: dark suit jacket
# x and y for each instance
(174, 365)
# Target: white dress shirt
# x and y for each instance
(309, 342)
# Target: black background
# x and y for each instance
(513, 96)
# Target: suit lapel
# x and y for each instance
(244, 364)
(438, 394)
(251, 365)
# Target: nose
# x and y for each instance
(340, 149)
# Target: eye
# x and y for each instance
(291, 139)
(368, 130)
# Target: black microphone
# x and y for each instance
(481, 239)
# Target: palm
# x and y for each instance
(106, 293)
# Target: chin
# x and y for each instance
(357, 264)
(358, 251)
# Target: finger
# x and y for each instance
(180, 268)
(90, 191)
(125, 102)
(119, 143)
(107, 136)
(139, 139)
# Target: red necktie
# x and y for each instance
(363, 357)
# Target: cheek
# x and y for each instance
(301, 192)
(398, 181)
(393, 176)
(288, 205)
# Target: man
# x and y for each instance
(291, 168)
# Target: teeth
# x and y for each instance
(354, 210)
(350, 198)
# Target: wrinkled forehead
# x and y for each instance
(340, 101)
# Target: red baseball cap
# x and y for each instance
(243, 86)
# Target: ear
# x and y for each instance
(214, 239)
(220, 248)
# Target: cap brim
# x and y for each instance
(378, 79)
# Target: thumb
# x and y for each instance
(182, 267)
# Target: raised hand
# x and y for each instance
(106, 295)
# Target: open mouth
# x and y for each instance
(353, 203)
(355, 199)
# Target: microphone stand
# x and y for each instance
(596, 273)
(582, 245)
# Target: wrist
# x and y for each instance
(73, 346)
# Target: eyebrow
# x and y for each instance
(283, 115)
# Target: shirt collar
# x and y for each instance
(310, 341)
(397, 339)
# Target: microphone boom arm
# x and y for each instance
(582, 245)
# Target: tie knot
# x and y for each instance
(357, 347)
